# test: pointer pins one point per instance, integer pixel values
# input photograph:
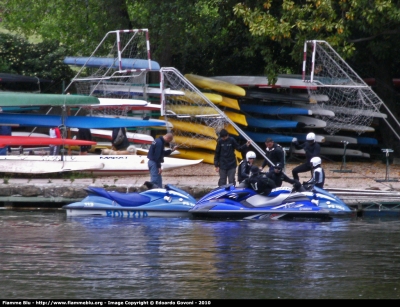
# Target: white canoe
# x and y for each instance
(316, 110)
(339, 139)
(354, 111)
(126, 88)
(33, 134)
(133, 104)
(333, 151)
(114, 165)
(309, 121)
(46, 167)
(262, 82)
(140, 138)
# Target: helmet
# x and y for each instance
(310, 136)
(279, 165)
(315, 161)
(254, 171)
(250, 155)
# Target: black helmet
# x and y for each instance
(254, 171)
(278, 166)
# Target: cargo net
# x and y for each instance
(117, 68)
(195, 119)
(338, 88)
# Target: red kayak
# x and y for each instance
(6, 140)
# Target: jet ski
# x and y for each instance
(155, 202)
(283, 203)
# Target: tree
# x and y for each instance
(361, 31)
(43, 60)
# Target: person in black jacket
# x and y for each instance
(260, 182)
(278, 176)
(312, 149)
(274, 153)
(156, 156)
(245, 166)
(119, 142)
(225, 159)
(84, 134)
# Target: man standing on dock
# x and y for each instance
(225, 159)
(156, 156)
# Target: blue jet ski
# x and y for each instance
(156, 202)
(282, 203)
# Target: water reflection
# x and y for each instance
(47, 255)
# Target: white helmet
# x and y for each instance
(250, 155)
(310, 136)
(315, 161)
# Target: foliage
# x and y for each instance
(344, 24)
(43, 60)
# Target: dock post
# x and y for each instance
(343, 166)
(386, 151)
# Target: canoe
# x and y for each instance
(130, 104)
(354, 111)
(302, 137)
(262, 82)
(274, 110)
(46, 167)
(40, 141)
(309, 121)
(333, 151)
(195, 98)
(115, 63)
(354, 128)
(260, 137)
(35, 120)
(192, 110)
(139, 138)
(272, 123)
(12, 99)
(114, 165)
(18, 109)
(209, 144)
(123, 88)
(206, 155)
(94, 149)
(315, 109)
(193, 128)
(339, 139)
(267, 95)
(229, 103)
(216, 85)
(231, 130)
(13, 78)
(236, 117)
(366, 141)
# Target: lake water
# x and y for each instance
(46, 255)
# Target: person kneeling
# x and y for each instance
(260, 182)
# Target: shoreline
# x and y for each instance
(196, 180)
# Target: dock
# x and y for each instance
(364, 188)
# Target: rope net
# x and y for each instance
(339, 89)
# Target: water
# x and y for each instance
(46, 255)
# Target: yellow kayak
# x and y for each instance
(216, 85)
(192, 97)
(193, 128)
(231, 130)
(210, 144)
(229, 103)
(206, 155)
(192, 110)
(236, 117)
